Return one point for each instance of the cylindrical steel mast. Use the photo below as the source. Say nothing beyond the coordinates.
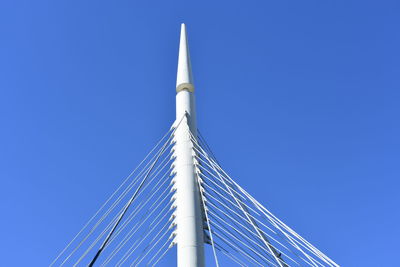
(189, 239)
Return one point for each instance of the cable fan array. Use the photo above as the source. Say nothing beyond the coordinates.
(239, 227)
(135, 226)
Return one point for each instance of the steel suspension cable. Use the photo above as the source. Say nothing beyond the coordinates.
(234, 221)
(240, 250)
(107, 228)
(279, 231)
(132, 249)
(140, 206)
(251, 198)
(237, 222)
(108, 200)
(305, 243)
(136, 227)
(271, 248)
(162, 255)
(208, 220)
(226, 253)
(247, 237)
(240, 241)
(241, 217)
(130, 202)
(103, 217)
(152, 247)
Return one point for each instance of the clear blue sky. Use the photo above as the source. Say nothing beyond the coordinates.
(298, 99)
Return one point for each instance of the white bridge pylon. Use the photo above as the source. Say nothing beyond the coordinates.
(180, 197)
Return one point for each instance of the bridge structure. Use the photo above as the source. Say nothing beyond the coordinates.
(180, 196)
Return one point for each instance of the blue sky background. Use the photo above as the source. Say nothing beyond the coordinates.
(298, 99)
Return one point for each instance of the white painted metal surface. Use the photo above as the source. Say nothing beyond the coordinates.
(189, 232)
(238, 226)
